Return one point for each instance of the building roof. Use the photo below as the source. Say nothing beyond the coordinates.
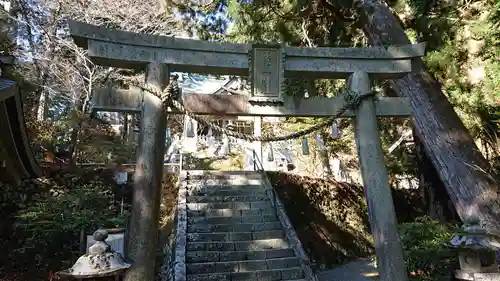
(14, 144)
(7, 88)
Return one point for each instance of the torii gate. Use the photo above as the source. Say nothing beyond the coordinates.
(266, 66)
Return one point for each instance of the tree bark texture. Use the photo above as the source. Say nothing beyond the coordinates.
(437, 201)
(459, 163)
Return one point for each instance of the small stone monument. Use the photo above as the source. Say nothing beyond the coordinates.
(100, 261)
(476, 254)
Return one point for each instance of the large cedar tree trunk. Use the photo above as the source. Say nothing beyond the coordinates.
(451, 149)
(437, 201)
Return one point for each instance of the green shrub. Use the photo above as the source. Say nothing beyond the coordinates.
(427, 258)
(42, 218)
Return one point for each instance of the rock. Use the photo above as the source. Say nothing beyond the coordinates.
(99, 248)
(100, 235)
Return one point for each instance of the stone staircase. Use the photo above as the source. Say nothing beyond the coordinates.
(233, 231)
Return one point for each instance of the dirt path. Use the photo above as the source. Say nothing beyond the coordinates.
(360, 270)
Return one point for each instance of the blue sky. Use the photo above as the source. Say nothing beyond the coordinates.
(205, 83)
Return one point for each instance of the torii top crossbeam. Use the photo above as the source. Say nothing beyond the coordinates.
(266, 65)
(129, 50)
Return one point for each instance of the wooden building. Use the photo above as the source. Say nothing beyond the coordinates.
(16, 158)
(241, 124)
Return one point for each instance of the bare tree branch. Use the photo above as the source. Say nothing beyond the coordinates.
(142, 16)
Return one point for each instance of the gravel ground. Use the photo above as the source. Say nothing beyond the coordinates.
(360, 270)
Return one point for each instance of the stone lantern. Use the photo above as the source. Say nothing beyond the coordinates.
(476, 254)
(100, 262)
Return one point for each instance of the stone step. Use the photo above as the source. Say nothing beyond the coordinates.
(227, 182)
(220, 199)
(229, 186)
(233, 184)
(231, 205)
(224, 191)
(231, 220)
(234, 236)
(267, 275)
(241, 266)
(230, 212)
(224, 174)
(255, 245)
(235, 227)
(219, 256)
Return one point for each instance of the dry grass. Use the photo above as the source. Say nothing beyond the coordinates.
(330, 217)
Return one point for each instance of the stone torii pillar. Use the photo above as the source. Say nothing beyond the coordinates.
(142, 231)
(390, 259)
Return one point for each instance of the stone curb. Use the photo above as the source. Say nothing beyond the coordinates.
(181, 233)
